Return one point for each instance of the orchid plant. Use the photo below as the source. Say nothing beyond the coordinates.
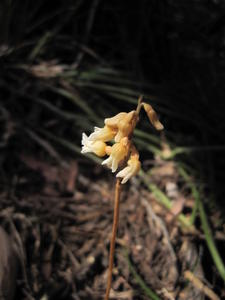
(122, 156)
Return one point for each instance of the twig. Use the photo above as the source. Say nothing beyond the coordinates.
(138, 109)
(113, 238)
(199, 285)
(152, 217)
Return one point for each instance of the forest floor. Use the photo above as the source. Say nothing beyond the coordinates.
(58, 219)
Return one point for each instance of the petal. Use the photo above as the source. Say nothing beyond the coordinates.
(119, 136)
(107, 161)
(98, 147)
(126, 174)
(131, 170)
(114, 165)
(84, 139)
(95, 134)
(113, 122)
(126, 178)
(84, 149)
(123, 172)
(86, 145)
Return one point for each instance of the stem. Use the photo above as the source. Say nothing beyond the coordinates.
(113, 238)
(139, 104)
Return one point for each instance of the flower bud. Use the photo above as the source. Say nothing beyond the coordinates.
(152, 116)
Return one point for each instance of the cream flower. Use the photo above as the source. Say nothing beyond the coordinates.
(97, 147)
(119, 128)
(119, 151)
(104, 134)
(124, 123)
(131, 170)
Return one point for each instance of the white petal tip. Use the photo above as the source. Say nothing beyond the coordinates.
(124, 181)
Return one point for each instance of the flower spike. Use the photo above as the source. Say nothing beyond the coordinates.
(122, 154)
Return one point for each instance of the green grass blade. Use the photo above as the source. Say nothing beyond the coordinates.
(164, 200)
(205, 226)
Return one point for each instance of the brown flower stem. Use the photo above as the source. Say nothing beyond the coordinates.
(113, 238)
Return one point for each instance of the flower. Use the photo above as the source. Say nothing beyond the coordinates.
(119, 129)
(104, 134)
(119, 151)
(131, 170)
(124, 123)
(97, 147)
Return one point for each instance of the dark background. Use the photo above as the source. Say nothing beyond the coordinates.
(172, 51)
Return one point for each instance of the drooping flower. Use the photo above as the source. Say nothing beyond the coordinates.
(97, 147)
(119, 152)
(104, 134)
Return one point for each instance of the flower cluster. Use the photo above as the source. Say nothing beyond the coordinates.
(122, 153)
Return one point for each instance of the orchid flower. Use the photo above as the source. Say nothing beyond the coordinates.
(122, 154)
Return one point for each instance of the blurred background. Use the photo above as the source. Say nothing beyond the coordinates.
(64, 69)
